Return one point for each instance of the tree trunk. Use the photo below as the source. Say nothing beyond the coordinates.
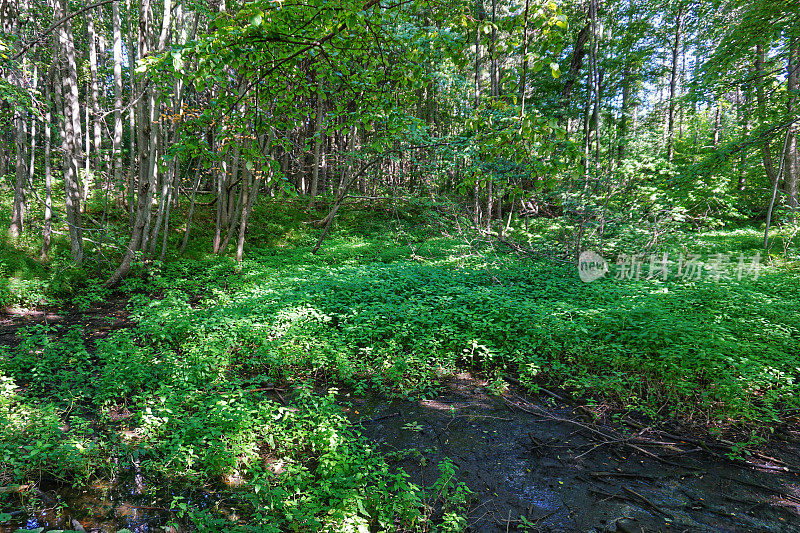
(48, 173)
(32, 159)
(198, 174)
(481, 15)
(673, 84)
(495, 65)
(576, 62)
(524, 78)
(318, 135)
(761, 102)
(116, 148)
(147, 141)
(744, 107)
(71, 143)
(21, 175)
(95, 91)
(791, 155)
(251, 191)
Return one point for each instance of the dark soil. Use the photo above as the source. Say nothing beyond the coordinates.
(550, 463)
(532, 464)
(97, 320)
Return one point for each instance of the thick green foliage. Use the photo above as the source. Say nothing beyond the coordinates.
(181, 396)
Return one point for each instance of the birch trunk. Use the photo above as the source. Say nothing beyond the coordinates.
(673, 82)
(71, 143)
(116, 148)
(48, 175)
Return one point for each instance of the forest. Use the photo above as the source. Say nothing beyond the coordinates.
(399, 265)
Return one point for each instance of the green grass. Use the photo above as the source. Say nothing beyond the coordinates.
(394, 301)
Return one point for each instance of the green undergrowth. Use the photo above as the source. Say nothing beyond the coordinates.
(136, 401)
(723, 350)
(392, 303)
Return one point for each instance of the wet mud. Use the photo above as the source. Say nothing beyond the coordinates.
(536, 465)
(532, 463)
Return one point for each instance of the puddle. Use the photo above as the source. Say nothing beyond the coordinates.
(556, 476)
(521, 467)
(98, 508)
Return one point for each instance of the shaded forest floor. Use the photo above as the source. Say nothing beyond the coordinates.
(411, 376)
(530, 463)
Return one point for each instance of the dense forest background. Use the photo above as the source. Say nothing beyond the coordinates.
(314, 265)
(596, 112)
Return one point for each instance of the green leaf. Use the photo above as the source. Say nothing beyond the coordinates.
(257, 19)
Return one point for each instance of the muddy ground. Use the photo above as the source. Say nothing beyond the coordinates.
(532, 463)
(548, 462)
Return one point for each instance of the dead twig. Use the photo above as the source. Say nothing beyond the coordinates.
(11, 489)
(378, 418)
(647, 502)
(621, 474)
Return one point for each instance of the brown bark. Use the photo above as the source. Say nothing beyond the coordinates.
(791, 155)
(761, 102)
(524, 78)
(20, 177)
(576, 62)
(673, 84)
(48, 174)
(71, 143)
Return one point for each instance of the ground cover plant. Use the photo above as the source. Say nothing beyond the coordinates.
(225, 223)
(186, 396)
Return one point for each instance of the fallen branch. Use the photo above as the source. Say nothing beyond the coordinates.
(647, 502)
(12, 489)
(620, 474)
(382, 417)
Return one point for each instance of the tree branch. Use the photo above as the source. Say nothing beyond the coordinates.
(56, 24)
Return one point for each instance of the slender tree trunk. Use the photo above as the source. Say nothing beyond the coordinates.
(744, 107)
(147, 143)
(222, 203)
(761, 102)
(622, 130)
(116, 148)
(133, 181)
(10, 18)
(489, 205)
(495, 65)
(87, 157)
(250, 196)
(481, 15)
(597, 80)
(576, 62)
(319, 123)
(95, 99)
(32, 158)
(198, 174)
(791, 154)
(21, 175)
(71, 145)
(625, 108)
(48, 173)
(673, 83)
(524, 78)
